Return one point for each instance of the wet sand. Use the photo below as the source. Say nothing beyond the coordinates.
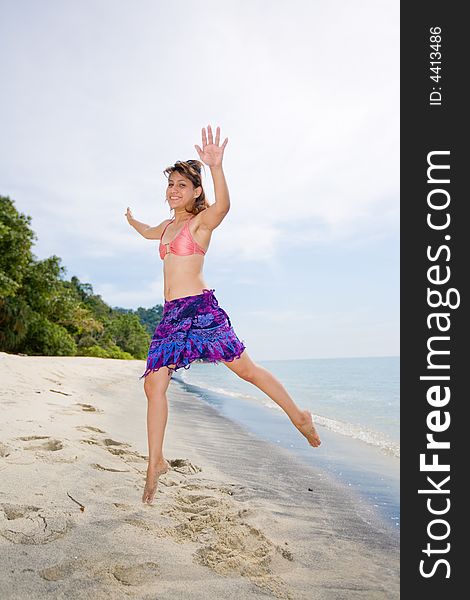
(235, 517)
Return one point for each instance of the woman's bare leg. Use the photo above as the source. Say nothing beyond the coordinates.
(248, 370)
(155, 387)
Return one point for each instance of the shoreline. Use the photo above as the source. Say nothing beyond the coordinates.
(233, 518)
(363, 468)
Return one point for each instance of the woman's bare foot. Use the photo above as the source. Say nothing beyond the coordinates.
(307, 429)
(153, 473)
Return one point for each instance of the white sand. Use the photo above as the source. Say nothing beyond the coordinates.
(233, 518)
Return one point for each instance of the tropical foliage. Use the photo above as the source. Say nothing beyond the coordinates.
(43, 313)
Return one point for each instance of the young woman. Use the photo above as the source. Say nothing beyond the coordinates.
(194, 326)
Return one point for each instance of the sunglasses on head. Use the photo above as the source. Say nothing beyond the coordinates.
(194, 163)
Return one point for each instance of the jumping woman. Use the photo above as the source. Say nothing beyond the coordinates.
(193, 325)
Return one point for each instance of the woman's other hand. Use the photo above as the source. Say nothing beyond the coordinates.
(211, 153)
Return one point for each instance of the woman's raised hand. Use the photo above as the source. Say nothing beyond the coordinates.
(128, 214)
(211, 153)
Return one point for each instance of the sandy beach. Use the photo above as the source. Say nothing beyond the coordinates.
(235, 517)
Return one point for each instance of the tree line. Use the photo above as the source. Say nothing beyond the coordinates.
(43, 313)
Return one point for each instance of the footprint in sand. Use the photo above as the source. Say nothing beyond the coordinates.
(127, 455)
(25, 524)
(136, 574)
(125, 574)
(110, 442)
(91, 442)
(114, 447)
(89, 428)
(62, 570)
(51, 444)
(240, 492)
(4, 451)
(101, 468)
(192, 486)
(180, 468)
(228, 543)
(88, 407)
(106, 442)
(214, 519)
(182, 465)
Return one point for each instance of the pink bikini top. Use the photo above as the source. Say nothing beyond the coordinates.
(182, 245)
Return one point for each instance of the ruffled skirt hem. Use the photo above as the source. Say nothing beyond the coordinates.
(226, 348)
(187, 365)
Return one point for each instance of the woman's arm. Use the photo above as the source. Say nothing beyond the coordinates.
(222, 197)
(148, 232)
(213, 216)
(211, 154)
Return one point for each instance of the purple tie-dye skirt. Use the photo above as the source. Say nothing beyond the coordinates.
(192, 328)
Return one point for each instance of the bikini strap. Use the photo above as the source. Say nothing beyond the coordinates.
(187, 223)
(164, 229)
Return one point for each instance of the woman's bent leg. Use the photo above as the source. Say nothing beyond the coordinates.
(248, 370)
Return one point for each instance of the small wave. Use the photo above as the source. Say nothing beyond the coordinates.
(360, 433)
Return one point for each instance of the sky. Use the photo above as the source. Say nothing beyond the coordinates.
(100, 96)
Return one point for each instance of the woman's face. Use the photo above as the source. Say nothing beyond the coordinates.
(180, 192)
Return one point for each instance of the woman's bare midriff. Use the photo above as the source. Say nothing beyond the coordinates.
(183, 276)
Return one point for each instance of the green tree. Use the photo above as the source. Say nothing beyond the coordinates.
(47, 339)
(93, 302)
(129, 334)
(43, 313)
(16, 240)
(15, 315)
(150, 317)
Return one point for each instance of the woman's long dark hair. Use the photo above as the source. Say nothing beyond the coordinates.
(192, 170)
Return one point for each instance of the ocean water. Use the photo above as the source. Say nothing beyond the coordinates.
(355, 397)
(355, 404)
